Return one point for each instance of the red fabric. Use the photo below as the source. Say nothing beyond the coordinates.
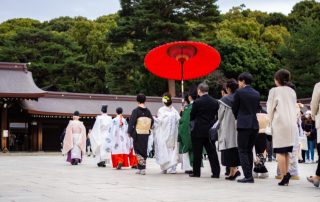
(120, 158)
(133, 159)
(161, 63)
(121, 123)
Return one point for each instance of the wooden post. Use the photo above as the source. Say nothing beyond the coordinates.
(172, 87)
(39, 136)
(4, 126)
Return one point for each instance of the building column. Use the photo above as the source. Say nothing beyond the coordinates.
(39, 136)
(4, 126)
(172, 87)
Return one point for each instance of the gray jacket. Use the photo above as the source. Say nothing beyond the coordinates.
(227, 133)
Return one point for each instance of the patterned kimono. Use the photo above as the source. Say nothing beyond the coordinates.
(101, 140)
(120, 142)
(74, 143)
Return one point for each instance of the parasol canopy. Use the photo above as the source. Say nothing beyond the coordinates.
(182, 60)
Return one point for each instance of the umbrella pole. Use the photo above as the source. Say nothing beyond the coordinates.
(182, 83)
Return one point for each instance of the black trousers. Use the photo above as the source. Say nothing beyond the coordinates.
(261, 143)
(197, 148)
(318, 168)
(246, 141)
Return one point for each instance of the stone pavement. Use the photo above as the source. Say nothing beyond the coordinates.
(47, 177)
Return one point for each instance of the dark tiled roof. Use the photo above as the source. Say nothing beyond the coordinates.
(64, 104)
(17, 82)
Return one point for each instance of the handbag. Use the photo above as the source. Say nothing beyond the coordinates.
(213, 132)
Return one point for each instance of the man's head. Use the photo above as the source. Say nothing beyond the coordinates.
(203, 89)
(76, 115)
(244, 79)
(104, 108)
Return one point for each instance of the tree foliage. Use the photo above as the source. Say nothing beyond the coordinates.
(106, 55)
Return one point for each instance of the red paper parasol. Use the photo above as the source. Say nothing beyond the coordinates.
(182, 60)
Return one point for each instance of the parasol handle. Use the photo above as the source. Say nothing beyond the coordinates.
(182, 82)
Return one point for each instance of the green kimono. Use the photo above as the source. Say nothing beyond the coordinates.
(184, 137)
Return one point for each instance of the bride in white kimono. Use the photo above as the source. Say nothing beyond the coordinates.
(166, 136)
(74, 143)
(100, 139)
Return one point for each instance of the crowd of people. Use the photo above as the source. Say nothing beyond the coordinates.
(236, 125)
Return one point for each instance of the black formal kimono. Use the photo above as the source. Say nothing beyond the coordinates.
(140, 124)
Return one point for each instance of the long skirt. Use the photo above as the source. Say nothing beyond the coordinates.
(133, 158)
(120, 158)
(75, 152)
(230, 157)
(185, 162)
(140, 144)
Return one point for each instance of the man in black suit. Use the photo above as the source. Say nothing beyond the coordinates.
(245, 106)
(203, 113)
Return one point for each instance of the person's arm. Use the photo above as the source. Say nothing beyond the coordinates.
(221, 112)
(315, 101)
(151, 117)
(193, 111)
(236, 104)
(132, 122)
(271, 104)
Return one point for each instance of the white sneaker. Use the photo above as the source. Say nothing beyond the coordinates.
(255, 175)
(264, 175)
(138, 172)
(143, 172)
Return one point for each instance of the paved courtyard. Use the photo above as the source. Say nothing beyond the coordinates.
(47, 177)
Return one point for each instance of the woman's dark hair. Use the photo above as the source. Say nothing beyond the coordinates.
(76, 113)
(193, 92)
(167, 97)
(283, 77)
(104, 108)
(186, 98)
(119, 110)
(141, 98)
(232, 85)
(246, 77)
(224, 89)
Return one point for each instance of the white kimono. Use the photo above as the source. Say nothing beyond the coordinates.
(100, 139)
(120, 137)
(166, 138)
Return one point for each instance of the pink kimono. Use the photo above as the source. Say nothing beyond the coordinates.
(74, 143)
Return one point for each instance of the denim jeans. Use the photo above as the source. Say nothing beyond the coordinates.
(310, 150)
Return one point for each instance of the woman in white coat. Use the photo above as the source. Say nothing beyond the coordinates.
(281, 108)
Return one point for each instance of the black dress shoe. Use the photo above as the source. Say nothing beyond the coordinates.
(215, 176)
(246, 180)
(193, 175)
(188, 172)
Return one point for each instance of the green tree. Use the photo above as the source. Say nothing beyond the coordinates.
(147, 24)
(301, 54)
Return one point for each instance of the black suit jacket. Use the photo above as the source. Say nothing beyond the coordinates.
(245, 106)
(204, 112)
